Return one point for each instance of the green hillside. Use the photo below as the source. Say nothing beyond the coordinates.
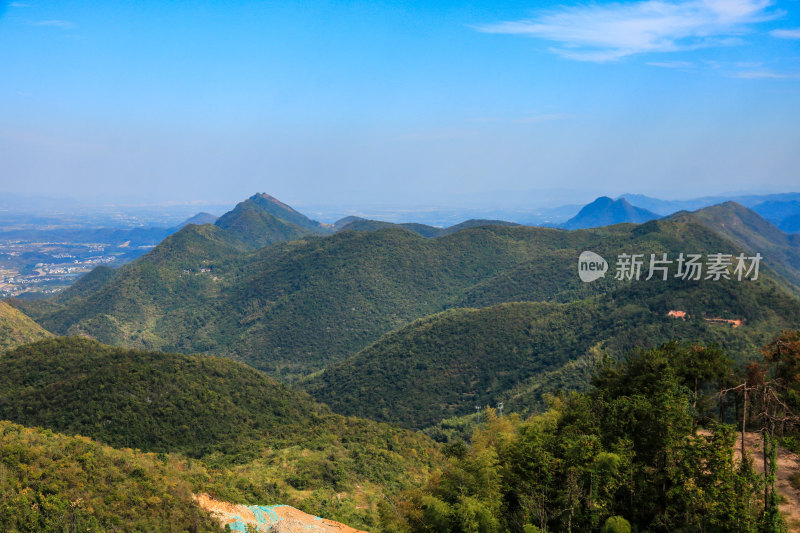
(17, 329)
(362, 224)
(269, 204)
(53, 482)
(255, 227)
(292, 308)
(197, 405)
(444, 365)
(748, 230)
(261, 441)
(149, 400)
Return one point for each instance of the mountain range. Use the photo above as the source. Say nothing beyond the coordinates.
(312, 297)
(216, 348)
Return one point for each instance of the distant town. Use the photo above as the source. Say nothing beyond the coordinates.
(45, 268)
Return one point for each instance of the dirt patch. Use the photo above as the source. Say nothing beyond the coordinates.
(272, 518)
(735, 322)
(788, 464)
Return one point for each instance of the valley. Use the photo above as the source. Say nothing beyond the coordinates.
(266, 359)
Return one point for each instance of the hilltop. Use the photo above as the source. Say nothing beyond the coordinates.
(605, 211)
(154, 401)
(262, 220)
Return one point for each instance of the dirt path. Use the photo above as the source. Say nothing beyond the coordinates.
(272, 519)
(788, 464)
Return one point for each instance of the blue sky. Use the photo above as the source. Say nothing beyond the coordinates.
(399, 102)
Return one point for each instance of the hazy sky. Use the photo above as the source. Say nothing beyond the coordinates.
(331, 102)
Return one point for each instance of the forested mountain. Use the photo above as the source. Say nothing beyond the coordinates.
(254, 222)
(291, 308)
(17, 329)
(258, 438)
(751, 232)
(446, 364)
(406, 324)
(269, 204)
(363, 224)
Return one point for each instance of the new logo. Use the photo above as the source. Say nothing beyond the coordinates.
(591, 266)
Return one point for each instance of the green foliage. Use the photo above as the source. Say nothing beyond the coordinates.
(616, 524)
(621, 457)
(149, 400)
(17, 329)
(292, 308)
(260, 441)
(55, 483)
(445, 364)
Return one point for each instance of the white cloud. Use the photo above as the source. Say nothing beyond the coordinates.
(612, 31)
(65, 24)
(766, 74)
(786, 34)
(671, 64)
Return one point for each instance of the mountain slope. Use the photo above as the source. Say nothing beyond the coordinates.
(133, 301)
(748, 230)
(53, 482)
(261, 441)
(363, 224)
(148, 400)
(791, 224)
(281, 211)
(292, 308)
(252, 223)
(17, 329)
(604, 212)
(446, 364)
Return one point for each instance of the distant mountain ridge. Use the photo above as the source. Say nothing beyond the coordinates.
(354, 223)
(199, 218)
(781, 209)
(291, 308)
(605, 211)
(752, 233)
(668, 207)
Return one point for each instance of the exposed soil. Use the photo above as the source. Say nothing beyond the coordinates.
(788, 464)
(272, 519)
